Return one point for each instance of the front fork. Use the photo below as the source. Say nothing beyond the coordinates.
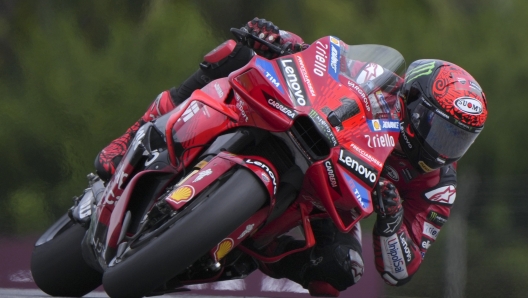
(84, 205)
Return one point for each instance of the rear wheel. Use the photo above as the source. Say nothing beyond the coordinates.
(212, 218)
(57, 264)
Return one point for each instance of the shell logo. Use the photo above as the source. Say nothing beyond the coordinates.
(376, 125)
(182, 194)
(223, 248)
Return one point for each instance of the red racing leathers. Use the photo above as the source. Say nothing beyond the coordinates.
(427, 200)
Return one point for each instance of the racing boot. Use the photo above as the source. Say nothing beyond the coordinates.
(108, 159)
(219, 63)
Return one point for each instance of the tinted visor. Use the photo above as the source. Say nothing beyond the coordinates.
(438, 133)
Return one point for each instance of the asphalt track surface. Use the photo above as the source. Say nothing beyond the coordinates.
(29, 293)
(16, 279)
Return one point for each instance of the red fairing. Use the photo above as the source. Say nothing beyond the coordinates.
(427, 201)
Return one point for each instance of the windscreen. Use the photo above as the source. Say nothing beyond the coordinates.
(378, 72)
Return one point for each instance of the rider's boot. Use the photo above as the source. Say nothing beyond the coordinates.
(108, 159)
(218, 63)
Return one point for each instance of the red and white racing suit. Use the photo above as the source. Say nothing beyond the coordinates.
(427, 200)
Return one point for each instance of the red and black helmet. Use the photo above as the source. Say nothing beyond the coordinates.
(445, 110)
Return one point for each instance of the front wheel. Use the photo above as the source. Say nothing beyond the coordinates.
(213, 217)
(57, 263)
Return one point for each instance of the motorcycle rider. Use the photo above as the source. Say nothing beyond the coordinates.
(442, 110)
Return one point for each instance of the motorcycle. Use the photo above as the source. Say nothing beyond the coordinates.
(204, 190)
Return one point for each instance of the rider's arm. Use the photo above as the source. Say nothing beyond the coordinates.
(427, 200)
(229, 56)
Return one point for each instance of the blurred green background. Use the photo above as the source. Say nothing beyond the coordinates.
(75, 74)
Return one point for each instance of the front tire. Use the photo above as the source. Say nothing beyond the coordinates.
(209, 222)
(58, 266)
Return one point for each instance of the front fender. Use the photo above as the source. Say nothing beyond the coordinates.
(209, 171)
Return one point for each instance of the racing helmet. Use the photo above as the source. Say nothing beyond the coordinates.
(445, 110)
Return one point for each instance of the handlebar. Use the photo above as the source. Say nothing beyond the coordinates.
(347, 110)
(242, 36)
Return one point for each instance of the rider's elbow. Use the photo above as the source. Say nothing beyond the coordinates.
(394, 281)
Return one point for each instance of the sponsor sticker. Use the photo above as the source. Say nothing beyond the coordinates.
(358, 167)
(405, 137)
(370, 72)
(241, 108)
(333, 68)
(436, 218)
(219, 90)
(392, 173)
(295, 86)
(324, 127)
(331, 174)
(202, 174)
(425, 167)
(360, 192)
(190, 111)
(267, 169)
(393, 258)
(442, 195)
(182, 194)
(248, 229)
(269, 73)
(407, 253)
(306, 77)
(352, 85)
(378, 125)
(367, 156)
(284, 109)
(223, 248)
(430, 231)
(425, 243)
(321, 56)
(469, 105)
(380, 141)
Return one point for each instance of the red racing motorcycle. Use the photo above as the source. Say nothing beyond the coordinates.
(203, 190)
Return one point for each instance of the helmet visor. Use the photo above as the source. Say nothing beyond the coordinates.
(439, 132)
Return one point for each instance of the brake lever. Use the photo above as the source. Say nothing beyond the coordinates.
(243, 35)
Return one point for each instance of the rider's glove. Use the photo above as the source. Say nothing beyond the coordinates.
(268, 31)
(388, 206)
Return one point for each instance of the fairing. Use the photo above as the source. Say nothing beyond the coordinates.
(341, 162)
(313, 83)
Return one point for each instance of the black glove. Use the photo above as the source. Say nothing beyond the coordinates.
(264, 30)
(268, 31)
(387, 204)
